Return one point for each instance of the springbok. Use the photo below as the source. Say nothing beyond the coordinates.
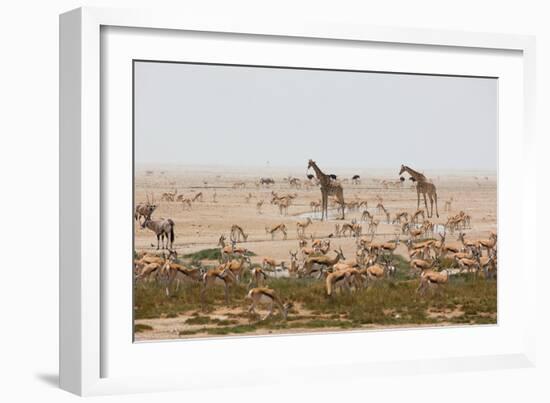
(277, 228)
(197, 197)
(301, 227)
(268, 296)
(432, 278)
(236, 234)
(324, 261)
(218, 276)
(257, 277)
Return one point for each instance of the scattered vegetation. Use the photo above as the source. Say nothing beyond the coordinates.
(139, 327)
(209, 254)
(391, 302)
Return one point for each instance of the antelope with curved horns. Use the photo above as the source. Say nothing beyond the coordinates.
(145, 209)
(163, 228)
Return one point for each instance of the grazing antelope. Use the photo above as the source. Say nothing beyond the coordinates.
(236, 234)
(239, 185)
(218, 276)
(277, 228)
(268, 296)
(301, 227)
(340, 278)
(197, 197)
(323, 261)
(432, 278)
(346, 228)
(366, 215)
(353, 228)
(401, 215)
(356, 180)
(163, 228)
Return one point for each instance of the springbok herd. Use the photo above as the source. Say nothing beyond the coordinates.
(347, 231)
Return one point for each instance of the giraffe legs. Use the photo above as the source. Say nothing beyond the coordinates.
(436, 211)
(426, 204)
(324, 207)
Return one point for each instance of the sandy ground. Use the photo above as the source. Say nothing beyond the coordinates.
(201, 226)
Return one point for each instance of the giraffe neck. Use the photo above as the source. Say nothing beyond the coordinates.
(320, 175)
(416, 175)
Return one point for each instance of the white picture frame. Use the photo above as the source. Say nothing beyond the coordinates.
(93, 350)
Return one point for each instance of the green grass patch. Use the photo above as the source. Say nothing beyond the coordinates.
(391, 302)
(209, 254)
(140, 327)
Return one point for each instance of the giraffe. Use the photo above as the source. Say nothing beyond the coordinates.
(424, 186)
(328, 188)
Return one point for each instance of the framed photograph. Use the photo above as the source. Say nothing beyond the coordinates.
(298, 193)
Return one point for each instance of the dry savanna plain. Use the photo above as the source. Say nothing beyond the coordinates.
(178, 306)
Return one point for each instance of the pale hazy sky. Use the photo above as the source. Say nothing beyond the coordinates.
(245, 116)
